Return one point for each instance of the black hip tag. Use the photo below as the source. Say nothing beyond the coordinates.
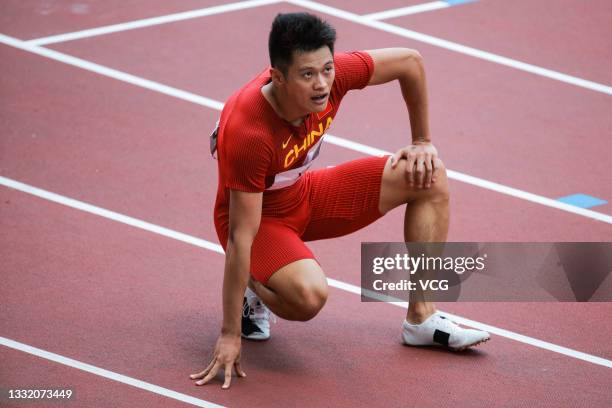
(213, 141)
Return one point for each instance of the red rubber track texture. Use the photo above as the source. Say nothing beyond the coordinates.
(29, 20)
(147, 306)
(487, 120)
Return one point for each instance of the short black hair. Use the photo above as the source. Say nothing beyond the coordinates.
(302, 32)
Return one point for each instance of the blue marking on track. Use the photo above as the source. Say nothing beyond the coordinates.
(456, 2)
(582, 200)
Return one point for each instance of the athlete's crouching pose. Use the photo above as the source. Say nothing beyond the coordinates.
(268, 203)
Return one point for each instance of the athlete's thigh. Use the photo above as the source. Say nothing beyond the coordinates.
(344, 198)
(283, 262)
(275, 246)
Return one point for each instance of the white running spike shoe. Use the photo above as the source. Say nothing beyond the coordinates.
(255, 317)
(438, 330)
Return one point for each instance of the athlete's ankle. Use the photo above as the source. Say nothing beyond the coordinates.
(418, 312)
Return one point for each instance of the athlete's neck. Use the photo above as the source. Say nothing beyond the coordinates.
(279, 102)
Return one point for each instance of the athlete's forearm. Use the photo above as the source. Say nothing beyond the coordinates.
(414, 90)
(235, 278)
(244, 219)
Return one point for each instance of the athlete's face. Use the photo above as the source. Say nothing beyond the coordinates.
(309, 79)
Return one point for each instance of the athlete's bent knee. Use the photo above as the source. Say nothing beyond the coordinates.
(439, 190)
(439, 166)
(310, 300)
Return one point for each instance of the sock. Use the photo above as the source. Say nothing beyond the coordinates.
(249, 293)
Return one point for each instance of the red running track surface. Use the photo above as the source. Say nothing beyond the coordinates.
(148, 306)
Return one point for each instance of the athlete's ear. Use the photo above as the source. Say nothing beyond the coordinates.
(277, 76)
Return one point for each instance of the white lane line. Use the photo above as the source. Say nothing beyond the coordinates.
(531, 341)
(452, 46)
(494, 330)
(26, 188)
(147, 22)
(363, 20)
(478, 182)
(405, 11)
(335, 140)
(107, 374)
(111, 215)
(338, 141)
(111, 73)
(488, 185)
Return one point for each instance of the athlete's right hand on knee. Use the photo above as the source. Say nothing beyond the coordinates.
(420, 163)
(227, 355)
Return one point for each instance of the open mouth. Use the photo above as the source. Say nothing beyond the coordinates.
(319, 99)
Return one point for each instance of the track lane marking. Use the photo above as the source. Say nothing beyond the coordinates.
(148, 22)
(111, 375)
(92, 209)
(453, 46)
(111, 215)
(482, 183)
(335, 140)
(111, 73)
(355, 18)
(406, 11)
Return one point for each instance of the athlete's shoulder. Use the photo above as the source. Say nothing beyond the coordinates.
(246, 109)
(345, 60)
(353, 70)
(244, 128)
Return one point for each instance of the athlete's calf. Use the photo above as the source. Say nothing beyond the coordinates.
(426, 217)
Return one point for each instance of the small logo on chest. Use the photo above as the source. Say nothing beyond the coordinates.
(286, 142)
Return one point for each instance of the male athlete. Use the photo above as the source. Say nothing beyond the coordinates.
(268, 203)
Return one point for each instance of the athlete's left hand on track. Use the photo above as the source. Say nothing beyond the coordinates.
(227, 354)
(420, 164)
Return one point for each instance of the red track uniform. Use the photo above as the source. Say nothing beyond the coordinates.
(260, 152)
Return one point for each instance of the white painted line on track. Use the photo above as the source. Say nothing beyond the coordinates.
(47, 195)
(148, 22)
(453, 46)
(111, 73)
(478, 182)
(111, 215)
(335, 140)
(107, 374)
(494, 330)
(355, 18)
(406, 11)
